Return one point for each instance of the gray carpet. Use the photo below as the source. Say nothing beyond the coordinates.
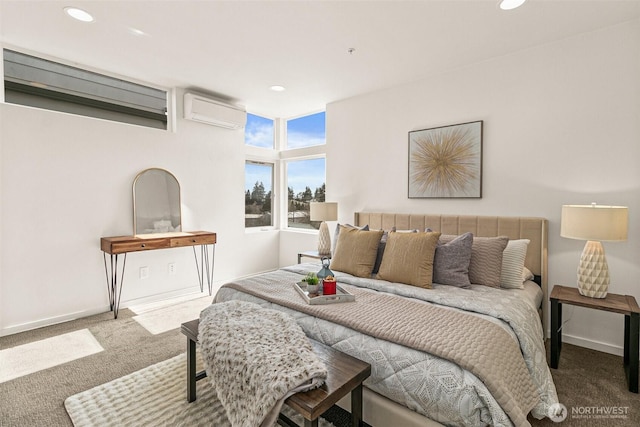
(591, 379)
(586, 378)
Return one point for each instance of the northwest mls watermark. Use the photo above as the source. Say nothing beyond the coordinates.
(558, 412)
(599, 412)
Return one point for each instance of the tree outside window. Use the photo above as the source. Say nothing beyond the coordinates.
(258, 194)
(305, 184)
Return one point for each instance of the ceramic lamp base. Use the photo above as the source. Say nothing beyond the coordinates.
(593, 271)
(324, 240)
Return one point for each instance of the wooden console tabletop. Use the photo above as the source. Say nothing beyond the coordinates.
(118, 245)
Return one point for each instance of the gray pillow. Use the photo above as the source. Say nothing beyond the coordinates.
(486, 259)
(451, 261)
(381, 246)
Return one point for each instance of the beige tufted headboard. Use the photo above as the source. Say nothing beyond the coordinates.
(534, 229)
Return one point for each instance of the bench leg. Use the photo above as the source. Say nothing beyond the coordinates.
(356, 406)
(191, 370)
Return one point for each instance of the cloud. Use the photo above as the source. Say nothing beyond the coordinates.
(259, 134)
(304, 139)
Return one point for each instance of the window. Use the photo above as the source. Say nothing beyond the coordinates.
(299, 169)
(306, 131)
(258, 197)
(41, 83)
(305, 184)
(258, 132)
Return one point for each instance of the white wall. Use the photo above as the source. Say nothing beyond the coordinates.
(561, 125)
(66, 181)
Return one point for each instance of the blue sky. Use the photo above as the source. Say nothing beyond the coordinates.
(302, 173)
(258, 131)
(306, 131)
(257, 173)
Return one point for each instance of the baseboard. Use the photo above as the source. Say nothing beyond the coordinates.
(593, 345)
(14, 329)
(186, 293)
(183, 292)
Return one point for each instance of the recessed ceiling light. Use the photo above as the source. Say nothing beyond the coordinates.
(277, 88)
(79, 14)
(510, 4)
(137, 32)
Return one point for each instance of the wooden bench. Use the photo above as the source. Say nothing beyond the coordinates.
(345, 374)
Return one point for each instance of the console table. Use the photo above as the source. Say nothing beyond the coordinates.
(115, 246)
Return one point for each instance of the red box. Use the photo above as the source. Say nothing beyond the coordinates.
(328, 288)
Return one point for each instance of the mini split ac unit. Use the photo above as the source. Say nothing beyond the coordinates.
(212, 112)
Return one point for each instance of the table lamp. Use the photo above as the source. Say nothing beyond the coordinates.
(595, 224)
(326, 211)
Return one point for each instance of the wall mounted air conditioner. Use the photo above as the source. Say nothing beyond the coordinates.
(213, 112)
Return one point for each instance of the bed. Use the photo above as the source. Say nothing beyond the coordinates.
(468, 354)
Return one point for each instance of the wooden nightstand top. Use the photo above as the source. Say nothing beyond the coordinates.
(615, 303)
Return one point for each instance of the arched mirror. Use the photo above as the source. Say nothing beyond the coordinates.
(156, 202)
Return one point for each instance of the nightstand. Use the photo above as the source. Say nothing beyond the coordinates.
(311, 254)
(622, 304)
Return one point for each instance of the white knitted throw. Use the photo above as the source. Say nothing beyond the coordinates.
(255, 359)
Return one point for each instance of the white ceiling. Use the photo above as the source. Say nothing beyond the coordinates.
(238, 49)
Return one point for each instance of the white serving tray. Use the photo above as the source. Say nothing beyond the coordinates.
(341, 295)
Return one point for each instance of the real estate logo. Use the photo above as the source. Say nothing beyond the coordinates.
(557, 412)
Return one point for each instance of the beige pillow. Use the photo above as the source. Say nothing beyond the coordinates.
(408, 258)
(356, 251)
(486, 259)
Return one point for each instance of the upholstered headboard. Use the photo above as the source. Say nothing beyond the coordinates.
(534, 229)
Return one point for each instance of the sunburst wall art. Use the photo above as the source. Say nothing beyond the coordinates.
(446, 162)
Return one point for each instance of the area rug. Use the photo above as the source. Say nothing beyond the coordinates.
(153, 396)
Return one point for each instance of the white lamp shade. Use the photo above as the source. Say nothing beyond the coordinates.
(327, 211)
(594, 222)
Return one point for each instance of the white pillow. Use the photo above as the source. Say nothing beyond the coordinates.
(513, 264)
(527, 275)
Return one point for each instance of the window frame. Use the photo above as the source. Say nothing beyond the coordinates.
(279, 156)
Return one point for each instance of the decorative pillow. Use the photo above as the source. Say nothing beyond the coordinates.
(381, 246)
(527, 275)
(356, 251)
(513, 264)
(408, 258)
(451, 261)
(395, 230)
(337, 233)
(486, 259)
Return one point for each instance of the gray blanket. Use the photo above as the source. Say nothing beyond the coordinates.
(255, 359)
(510, 384)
